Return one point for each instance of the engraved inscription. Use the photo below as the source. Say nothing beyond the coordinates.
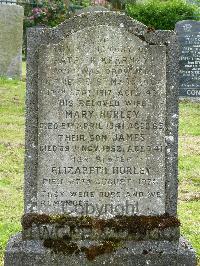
(101, 141)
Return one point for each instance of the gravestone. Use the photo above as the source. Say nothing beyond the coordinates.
(188, 32)
(101, 146)
(11, 31)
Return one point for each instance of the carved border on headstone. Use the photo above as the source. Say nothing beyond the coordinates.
(43, 36)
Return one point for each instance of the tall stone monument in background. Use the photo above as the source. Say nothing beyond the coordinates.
(188, 33)
(101, 146)
(11, 35)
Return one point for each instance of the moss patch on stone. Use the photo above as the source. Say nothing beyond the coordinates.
(33, 218)
(105, 247)
(91, 252)
(133, 224)
(60, 245)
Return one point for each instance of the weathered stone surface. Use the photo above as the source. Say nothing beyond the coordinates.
(102, 88)
(11, 30)
(188, 32)
(101, 125)
(152, 253)
(44, 227)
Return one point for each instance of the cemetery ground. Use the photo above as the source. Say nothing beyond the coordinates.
(12, 95)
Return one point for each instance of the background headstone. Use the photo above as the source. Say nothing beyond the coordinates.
(101, 146)
(11, 31)
(188, 33)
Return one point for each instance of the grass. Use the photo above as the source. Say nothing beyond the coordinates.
(189, 173)
(11, 158)
(12, 154)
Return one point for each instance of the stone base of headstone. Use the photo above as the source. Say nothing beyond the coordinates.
(162, 253)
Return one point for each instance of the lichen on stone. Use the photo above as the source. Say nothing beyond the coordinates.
(133, 224)
(90, 252)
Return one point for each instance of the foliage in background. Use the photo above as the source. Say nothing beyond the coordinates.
(159, 14)
(53, 12)
(162, 14)
(46, 14)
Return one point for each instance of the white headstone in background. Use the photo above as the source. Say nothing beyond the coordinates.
(11, 35)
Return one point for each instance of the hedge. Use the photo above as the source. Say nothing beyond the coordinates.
(162, 14)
